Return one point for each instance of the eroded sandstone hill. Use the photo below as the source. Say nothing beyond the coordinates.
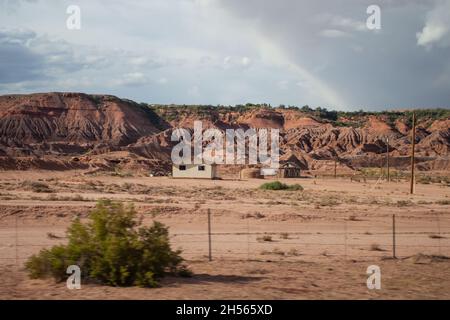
(67, 130)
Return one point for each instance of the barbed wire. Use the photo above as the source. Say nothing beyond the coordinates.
(353, 240)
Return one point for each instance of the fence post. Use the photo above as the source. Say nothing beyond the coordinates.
(439, 232)
(248, 239)
(209, 235)
(17, 241)
(345, 238)
(393, 237)
(335, 168)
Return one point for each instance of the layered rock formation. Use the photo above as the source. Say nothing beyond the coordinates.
(67, 130)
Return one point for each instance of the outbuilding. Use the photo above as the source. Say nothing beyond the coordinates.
(289, 170)
(195, 171)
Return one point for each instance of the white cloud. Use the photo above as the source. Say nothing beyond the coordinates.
(347, 23)
(227, 62)
(163, 80)
(131, 79)
(431, 33)
(333, 33)
(236, 62)
(139, 61)
(245, 61)
(69, 83)
(437, 26)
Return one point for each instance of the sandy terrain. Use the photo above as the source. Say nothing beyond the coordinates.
(311, 244)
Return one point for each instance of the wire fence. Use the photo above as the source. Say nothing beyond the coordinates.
(347, 237)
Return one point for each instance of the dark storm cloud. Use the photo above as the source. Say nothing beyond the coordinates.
(368, 69)
(17, 62)
(26, 57)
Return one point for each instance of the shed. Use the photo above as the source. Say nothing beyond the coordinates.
(289, 170)
(194, 171)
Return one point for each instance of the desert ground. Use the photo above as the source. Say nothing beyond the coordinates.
(310, 244)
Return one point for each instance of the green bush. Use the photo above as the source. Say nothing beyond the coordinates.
(404, 203)
(113, 249)
(295, 187)
(277, 185)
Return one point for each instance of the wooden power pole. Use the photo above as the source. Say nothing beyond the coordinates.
(209, 236)
(388, 173)
(413, 147)
(394, 255)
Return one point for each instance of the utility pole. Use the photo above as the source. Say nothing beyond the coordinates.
(394, 255)
(209, 236)
(388, 173)
(413, 146)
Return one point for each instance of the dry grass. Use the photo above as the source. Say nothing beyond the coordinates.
(275, 251)
(404, 203)
(36, 186)
(435, 236)
(375, 247)
(51, 235)
(265, 238)
(284, 235)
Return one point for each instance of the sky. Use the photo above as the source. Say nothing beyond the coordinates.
(227, 52)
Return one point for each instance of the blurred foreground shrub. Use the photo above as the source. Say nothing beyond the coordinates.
(112, 248)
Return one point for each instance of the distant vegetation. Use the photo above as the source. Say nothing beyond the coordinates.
(111, 249)
(277, 185)
(36, 186)
(338, 118)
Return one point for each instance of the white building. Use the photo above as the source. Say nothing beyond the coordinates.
(195, 171)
